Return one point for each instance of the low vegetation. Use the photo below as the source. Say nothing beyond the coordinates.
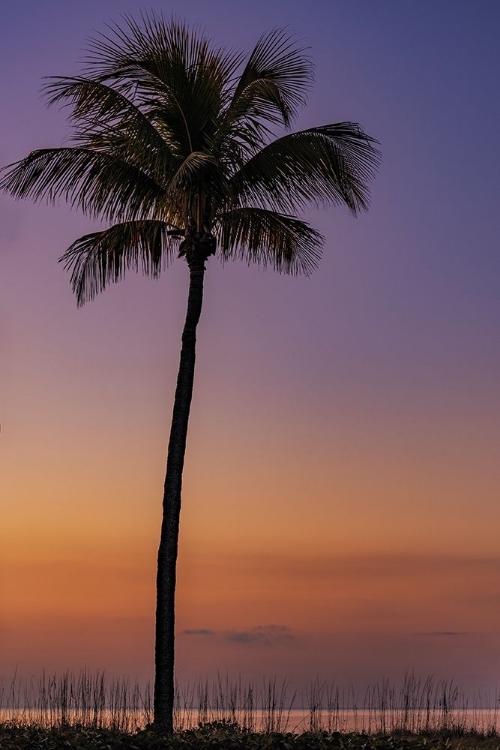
(90, 711)
(227, 735)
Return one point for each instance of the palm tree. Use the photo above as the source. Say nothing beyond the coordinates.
(174, 144)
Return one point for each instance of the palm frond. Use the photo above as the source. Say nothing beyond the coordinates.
(101, 258)
(199, 180)
(268, 238)
(328, 164)
(106, 119)
(172, 43)
(274, 83)
(175, 73)
(98, 183)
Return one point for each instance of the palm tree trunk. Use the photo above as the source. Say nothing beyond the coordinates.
(167, 553)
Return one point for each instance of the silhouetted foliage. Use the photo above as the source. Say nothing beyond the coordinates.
(210, 737)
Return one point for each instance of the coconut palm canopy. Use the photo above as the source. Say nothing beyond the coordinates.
(174, 136)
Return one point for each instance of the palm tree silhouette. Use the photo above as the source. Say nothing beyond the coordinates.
(174, 144)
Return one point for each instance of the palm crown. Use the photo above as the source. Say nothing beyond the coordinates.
(173, 139)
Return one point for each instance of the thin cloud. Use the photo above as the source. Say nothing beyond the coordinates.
(446, 633)
(245, 636)
(279, 629)
(261, 634)
(265, 635)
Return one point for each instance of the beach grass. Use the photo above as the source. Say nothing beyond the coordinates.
(90, 710)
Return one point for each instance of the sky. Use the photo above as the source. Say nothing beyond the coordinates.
(340, 506)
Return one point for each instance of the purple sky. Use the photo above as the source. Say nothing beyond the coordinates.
(351, 417)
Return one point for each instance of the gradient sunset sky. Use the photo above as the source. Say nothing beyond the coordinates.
(341, 506)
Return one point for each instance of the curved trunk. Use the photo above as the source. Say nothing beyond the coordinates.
(167, 553)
